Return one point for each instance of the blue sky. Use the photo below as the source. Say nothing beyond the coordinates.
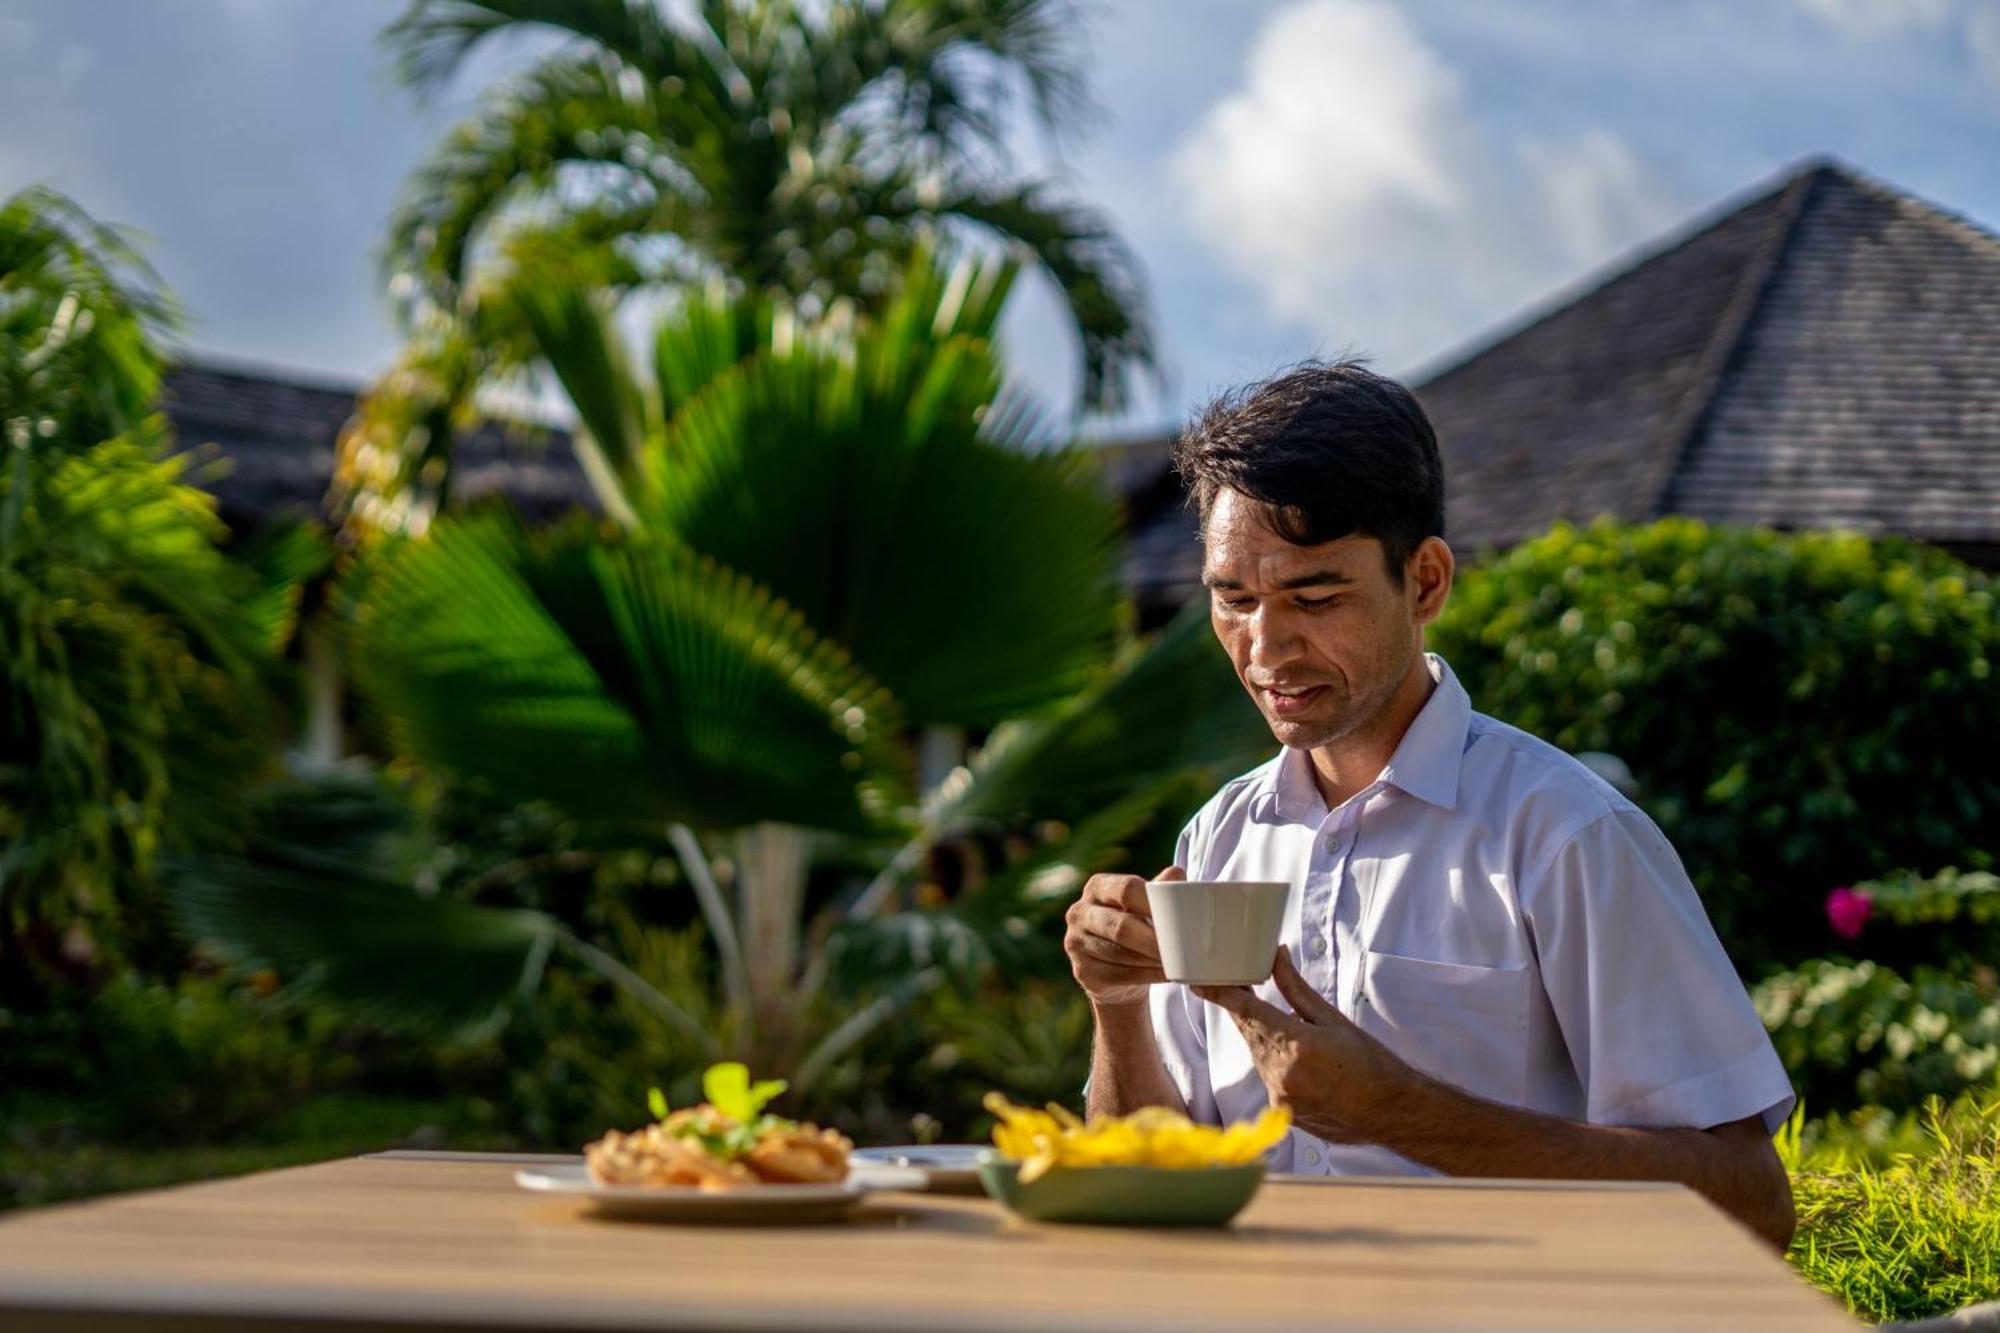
(1299, 176)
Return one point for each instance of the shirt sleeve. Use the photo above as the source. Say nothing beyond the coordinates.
(1658, 1025)
(1176, 1015)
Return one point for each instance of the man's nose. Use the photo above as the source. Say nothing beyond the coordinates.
(1274, 643)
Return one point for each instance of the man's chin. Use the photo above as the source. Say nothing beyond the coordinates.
(1300, 733)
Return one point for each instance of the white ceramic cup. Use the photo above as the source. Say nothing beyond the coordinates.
(1217, 932)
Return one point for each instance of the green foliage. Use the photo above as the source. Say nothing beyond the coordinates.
(710, 659)
(1172, 705)
(1951, 918)
(800, 150)
(138, 663)
(1796, 707)
(201, 1058)
(621, 677)
(373, 947)
(1858, 1032)
(1916, 1237)
(911, 481)
(1030, 1041)
(80, 314)
(137, 666)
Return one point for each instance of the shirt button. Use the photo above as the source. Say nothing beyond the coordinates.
(1317, 946)
(1312, 1157)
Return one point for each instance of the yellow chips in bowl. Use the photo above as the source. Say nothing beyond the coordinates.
(1154, 1136)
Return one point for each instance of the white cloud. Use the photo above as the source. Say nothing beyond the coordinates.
(1350, 183)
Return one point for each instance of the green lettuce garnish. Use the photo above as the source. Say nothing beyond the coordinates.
(730, 1091)
(732, 1097)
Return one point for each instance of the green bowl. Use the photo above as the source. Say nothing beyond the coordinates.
(1146, 1196)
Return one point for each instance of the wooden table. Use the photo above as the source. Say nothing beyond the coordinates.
(408, 1241)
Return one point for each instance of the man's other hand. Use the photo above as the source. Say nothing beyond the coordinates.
(1338, 1080)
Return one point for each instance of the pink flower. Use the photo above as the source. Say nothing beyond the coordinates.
(1847, 911)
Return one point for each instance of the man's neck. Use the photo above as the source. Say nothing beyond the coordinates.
(1343, 767)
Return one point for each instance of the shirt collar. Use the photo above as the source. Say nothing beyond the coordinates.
(1425, 764)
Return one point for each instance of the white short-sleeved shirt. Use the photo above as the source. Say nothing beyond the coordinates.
(1498, 916)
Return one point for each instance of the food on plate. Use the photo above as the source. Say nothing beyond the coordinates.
(1153, 1136)
(726, 1142)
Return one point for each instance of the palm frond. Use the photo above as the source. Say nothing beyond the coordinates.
(569, 113)
(975, 578)
(954, 64)
(570, 318)
(373, 947)
(392, 461)
(712, 331)
(285, 556)
(622, 679)
(430, 40)
(1099, 276)
(1173, 704)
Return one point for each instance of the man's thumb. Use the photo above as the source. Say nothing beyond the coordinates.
(1306, 1002)
(1171, 872)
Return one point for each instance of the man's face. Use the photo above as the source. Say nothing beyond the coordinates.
(1320, 636)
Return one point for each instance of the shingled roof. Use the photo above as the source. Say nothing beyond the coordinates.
(1824, 353)
(277, 434)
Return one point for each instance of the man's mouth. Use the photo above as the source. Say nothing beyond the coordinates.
(1291, 700)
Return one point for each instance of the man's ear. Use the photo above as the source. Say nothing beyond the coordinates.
(1428, 574)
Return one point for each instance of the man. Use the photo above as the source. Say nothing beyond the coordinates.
(1493, 963)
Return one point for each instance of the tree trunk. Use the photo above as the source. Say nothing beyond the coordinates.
(771, 865)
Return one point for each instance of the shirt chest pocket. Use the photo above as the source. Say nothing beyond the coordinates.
(1465, 1025)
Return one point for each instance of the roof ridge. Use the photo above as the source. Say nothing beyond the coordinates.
(1924, 210)
(1658, 246)
(1733, 329)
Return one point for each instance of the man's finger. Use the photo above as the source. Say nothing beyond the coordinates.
(1306, 1002)
(1172, 872)
(1127, 930)
(1113, 952)
(1243, 1002)
(1122, 891)
(1106, 973)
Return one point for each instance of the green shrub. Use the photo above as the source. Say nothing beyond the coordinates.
(198, 1060)
(1795, 707)
(1951, 918)
(1853, 1033)
(1917, 1237)
(1031, 1042)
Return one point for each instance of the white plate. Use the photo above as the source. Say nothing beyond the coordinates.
(749, 1203)
(951, 1167)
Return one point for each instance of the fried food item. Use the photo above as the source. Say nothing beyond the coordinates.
(722, 1144)
(803, 1155)
(655, 1156)
(1153, 1136)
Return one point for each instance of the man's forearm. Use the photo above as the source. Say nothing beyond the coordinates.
(1463, 1135)
(1126, 1072)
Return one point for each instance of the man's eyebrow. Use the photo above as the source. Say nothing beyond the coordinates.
(1315, 579)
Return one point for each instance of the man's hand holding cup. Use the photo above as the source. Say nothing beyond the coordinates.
(1110, 941)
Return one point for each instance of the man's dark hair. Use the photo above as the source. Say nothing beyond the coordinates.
(1328, 449)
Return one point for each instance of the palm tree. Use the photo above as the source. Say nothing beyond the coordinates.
(805, 150)
(823, 536)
